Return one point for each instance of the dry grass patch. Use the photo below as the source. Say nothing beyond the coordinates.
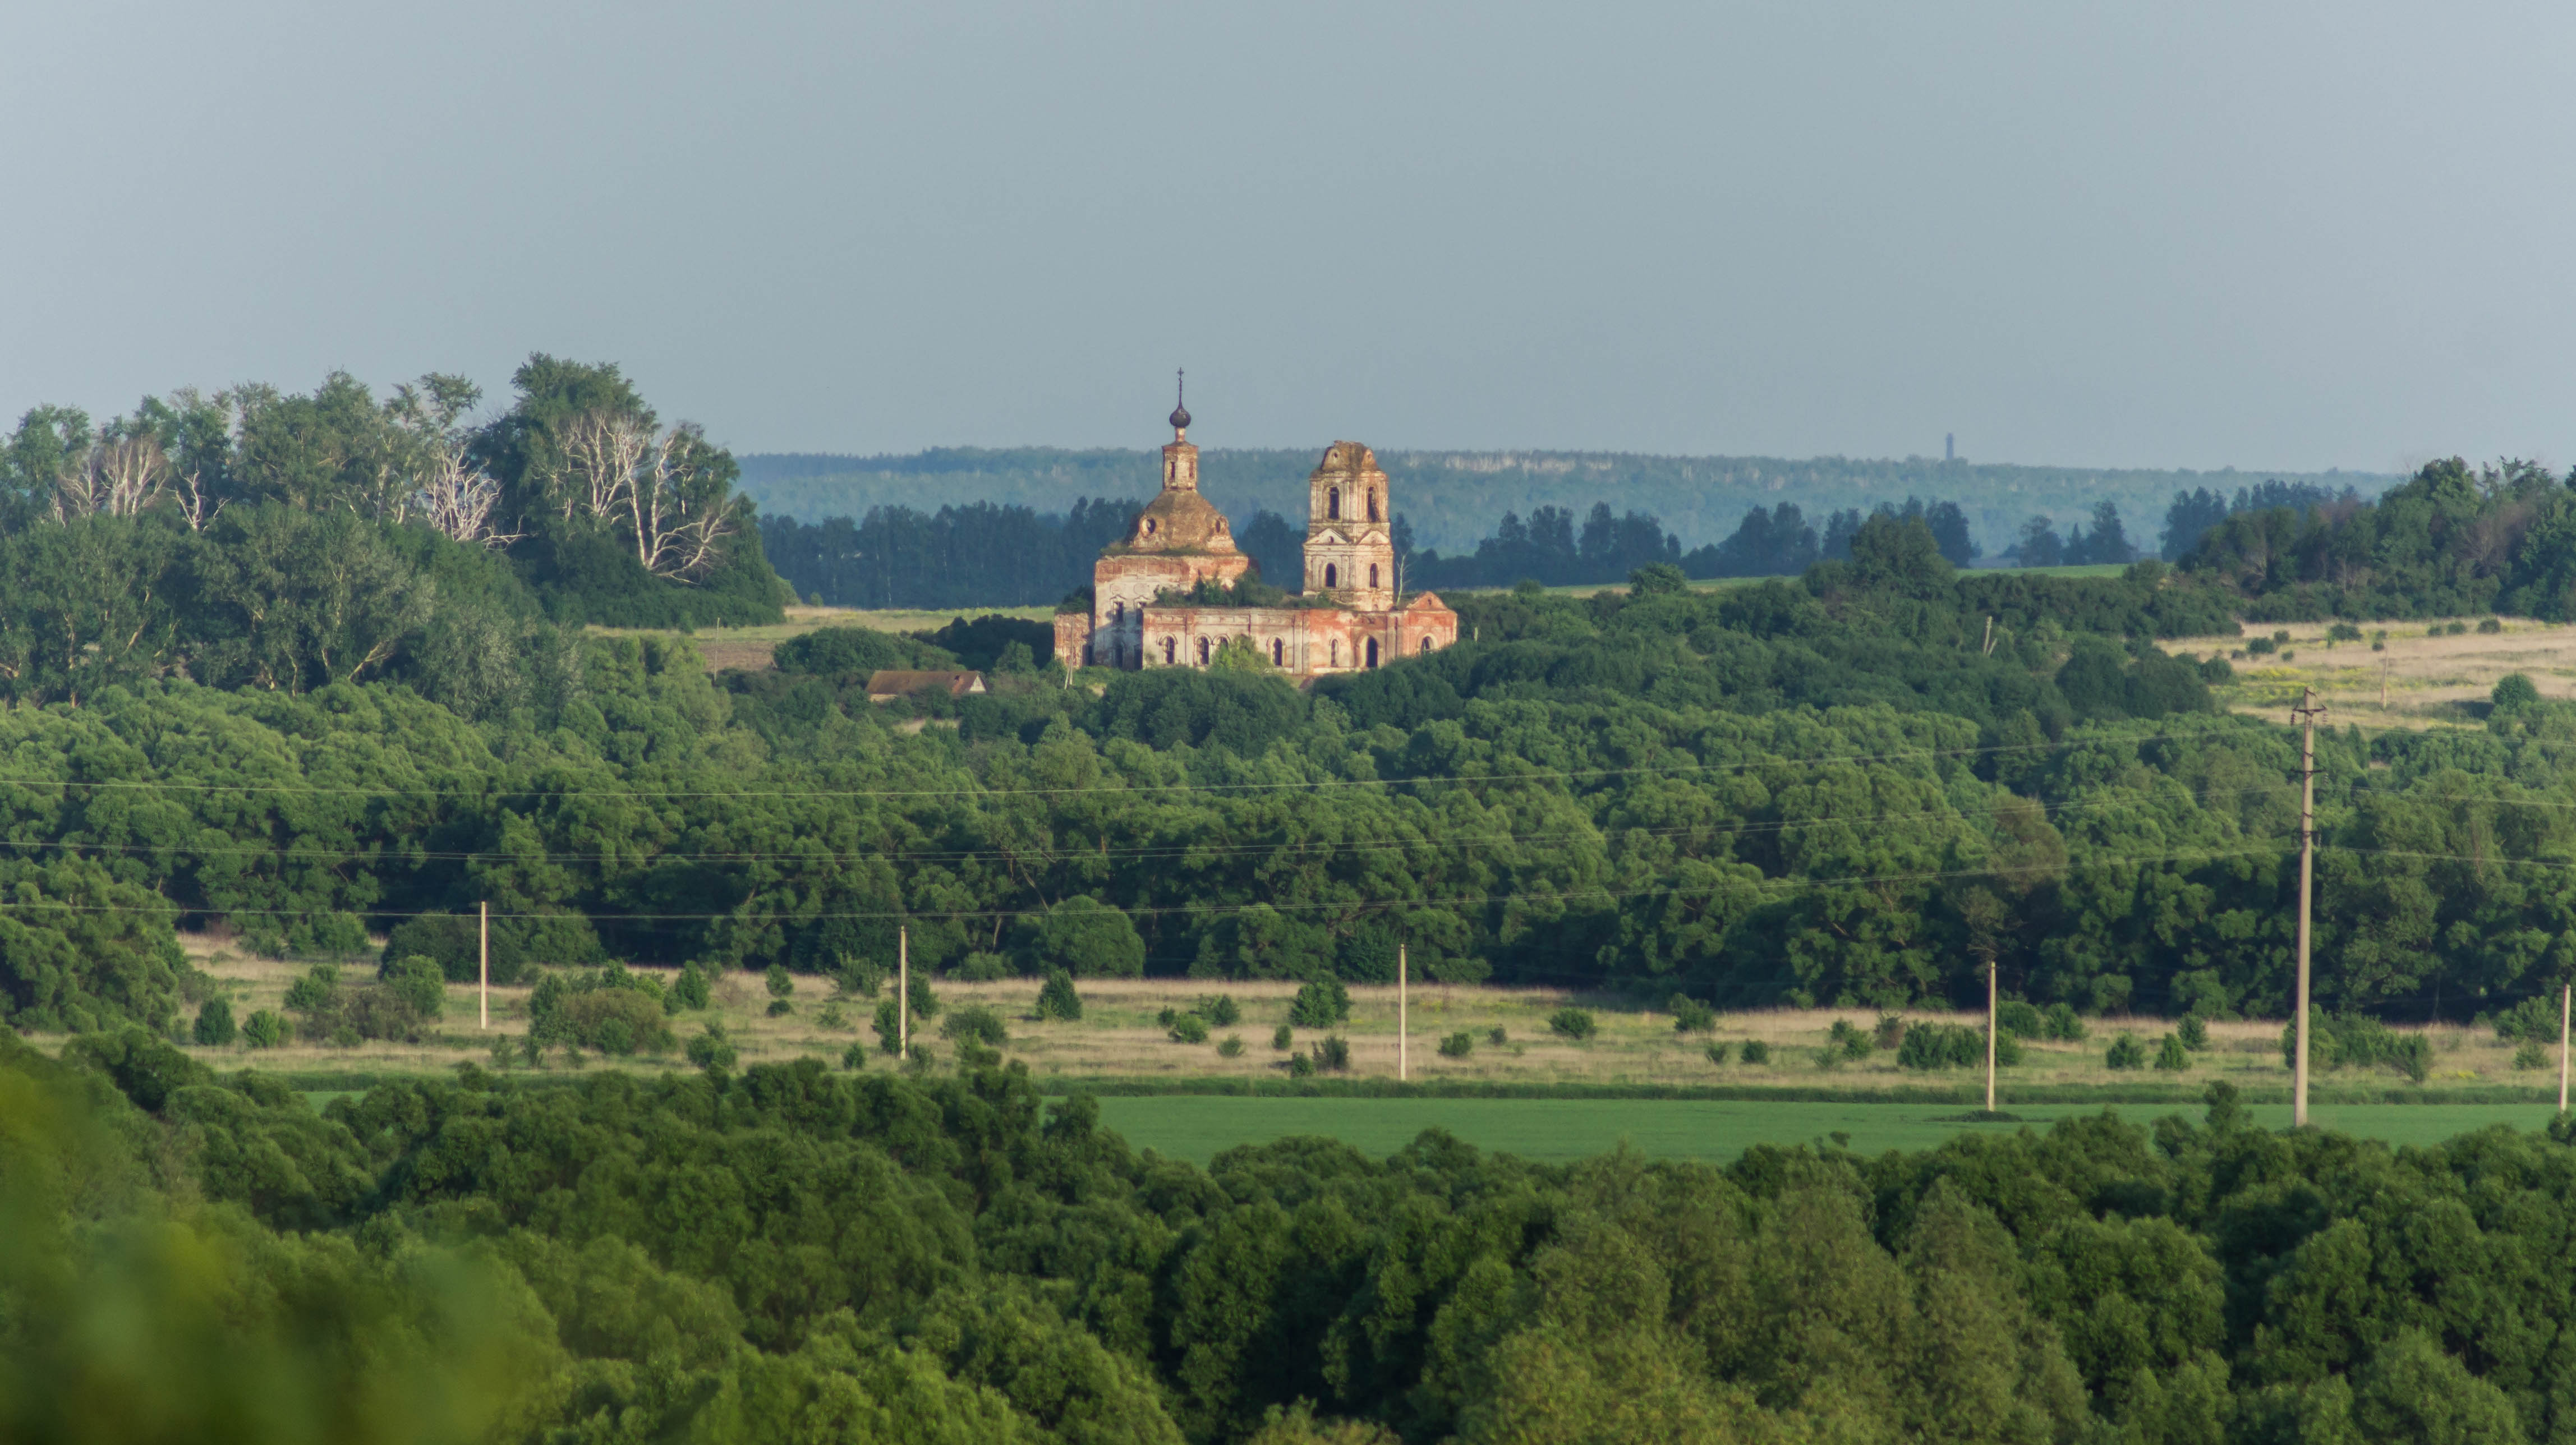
(2418, 682)
(750, 648)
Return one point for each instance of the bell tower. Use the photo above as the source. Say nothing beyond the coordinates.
(1350, 543)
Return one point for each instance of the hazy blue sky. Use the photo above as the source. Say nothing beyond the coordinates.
(2154, 235)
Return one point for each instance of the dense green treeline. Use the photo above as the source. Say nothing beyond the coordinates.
(2452, 540)
(1847, 790)
(796, 1254)
(260, 538)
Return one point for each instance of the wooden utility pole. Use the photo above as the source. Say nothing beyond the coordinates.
(903, 991)
(1402, 1060)
(2565, 994)
(1990, 1033)
(2306, 715)
(485, 987)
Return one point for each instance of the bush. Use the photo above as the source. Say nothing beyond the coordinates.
(711, 1049)
(1167, 1017)
(2490, 626)
(1572, 1023)
(316, 993)
(417, 981)
(2194, 1032)
(855, 1057)
(690, 990)
(1221, 1011)
(832, 1018)
(2530, 1056)
(1232, 1048)
(983, 1025)
(1189, 1029)
(1943, 1046)
(2126, 1053)
(2335, 1043)
(2513, 690)
(2020, 1020)
(1300, 1067)
(782, 984)
(2343, 632)
(1848, 1041)
(1717, 1052)
(781, 1007)
(264, 1030)
(2061, 1024)
(214, 1026)
(1280, 1038)
(2535, 1019)
(1690, 1016)
(1498, 1036)
(2171, 1056)
(1333, 1053)
(1756, 1052)
(1889, 1034)
(1085, 937)
(453, 942)
(618, 1021)
(1057, 998)
(1320, 1004)
(983, 968)
(1458, 1045)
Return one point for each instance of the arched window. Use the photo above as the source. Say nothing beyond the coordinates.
(1337, 652)
(1171, 650)
(1373, 506)
(1372, 652)
(1372, 574)
(1332, 575)
(1333, 503)
(1203, 653)
(1425, 649)
(1278, 653)
(1150, 525)
(1118, 613)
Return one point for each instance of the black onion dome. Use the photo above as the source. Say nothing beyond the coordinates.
(1180, 418)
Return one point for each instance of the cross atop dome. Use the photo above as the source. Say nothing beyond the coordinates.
(1180, 413)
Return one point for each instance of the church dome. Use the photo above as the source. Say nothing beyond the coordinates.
(1180, 520)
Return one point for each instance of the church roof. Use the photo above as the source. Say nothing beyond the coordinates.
(1179, 520)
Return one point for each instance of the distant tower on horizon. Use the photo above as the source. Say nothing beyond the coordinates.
(1949, 446)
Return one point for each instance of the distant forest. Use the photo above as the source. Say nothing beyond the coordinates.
(1453, 498)
(991, 554)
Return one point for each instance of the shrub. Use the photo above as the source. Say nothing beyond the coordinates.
(263, 1030)
(1280, 1038)
(2171, 1056)
(2535, 1019)
(1057, 998)
(1846, 1039)
(782, 984)
(1690, 1016)
(2061, 1024)
(214, 1026)
(2513, 690)
(711, 1049)
(1231, 1048)
(1085, 937)
(376, 1013)
(2413, 1057)
(983, 968)
(2490, 625)
(1189, 1029)
(832, 1018)
(2454, 629)
(317, 992)
(2343, 632)
(616, 1021)
(980, 1023)
(1498, 1036)
(1167, 1017)
(690, 990)
(454, 943)
(855, 1057)
(1300, 1067)
(781, 1007)
(888, 1027)
(1756, 1052)
(1943, 1046)
(1717, 1052)
(1333, 1053)
(1458, 1045)
(1572, 1023)
(1320, 1004)
(2193, 1031)
(2258, 646)
(2126, 1053)
(2530, 1056)
(1889, 1034)
(2335, 1043)
(417, 981)
(2020, 1019)
(1221, 1011)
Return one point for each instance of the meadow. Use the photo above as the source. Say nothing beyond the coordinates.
(2422, 675)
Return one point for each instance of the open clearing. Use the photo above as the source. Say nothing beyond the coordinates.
(2425, 677)
(1556, 1130)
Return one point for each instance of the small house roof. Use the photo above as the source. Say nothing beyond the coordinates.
(894, 682)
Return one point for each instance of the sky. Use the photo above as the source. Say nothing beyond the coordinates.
(2288, 236)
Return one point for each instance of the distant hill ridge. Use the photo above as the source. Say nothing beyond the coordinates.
(1453, 498)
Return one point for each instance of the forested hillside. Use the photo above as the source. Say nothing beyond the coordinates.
(794, 1254)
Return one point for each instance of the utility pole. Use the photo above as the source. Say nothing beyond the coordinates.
(485, 987)
(2565, 993)
(1988, 648)
(1990, 1033)
(903, 991)
(1401, 1059)
(2306, 715)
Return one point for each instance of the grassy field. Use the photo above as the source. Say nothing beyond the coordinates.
(750, 647)
(1121, 1042)
(1556, 1130)
(2422, 678)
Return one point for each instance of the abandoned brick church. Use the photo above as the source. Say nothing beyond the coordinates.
(1346, 615)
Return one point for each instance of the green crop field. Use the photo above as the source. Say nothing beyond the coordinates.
(1197, 1128)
